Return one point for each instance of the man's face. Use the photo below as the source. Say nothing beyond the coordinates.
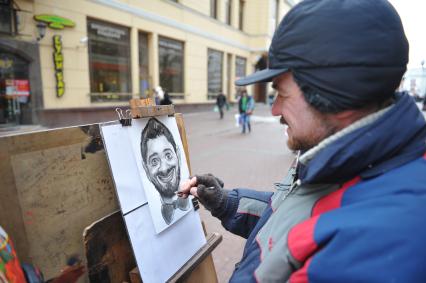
(306, 126)
(162, 166)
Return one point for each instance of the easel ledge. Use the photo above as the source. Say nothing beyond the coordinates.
(146, 108)
(212, 242)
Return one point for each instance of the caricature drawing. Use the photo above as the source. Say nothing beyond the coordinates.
(161, 161)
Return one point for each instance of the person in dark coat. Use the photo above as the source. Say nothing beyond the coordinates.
(166, 99)
(221, 103)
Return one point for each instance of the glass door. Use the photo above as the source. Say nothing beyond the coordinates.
(14, 87)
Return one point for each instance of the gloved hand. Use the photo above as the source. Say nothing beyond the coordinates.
(208, 189)
(210, 192)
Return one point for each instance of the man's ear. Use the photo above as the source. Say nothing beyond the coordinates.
(347, 117)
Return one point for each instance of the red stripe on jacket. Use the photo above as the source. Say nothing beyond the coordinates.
(301, 276)
(334, 199)
(301, 242)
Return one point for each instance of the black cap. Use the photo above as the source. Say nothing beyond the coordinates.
(336, 35)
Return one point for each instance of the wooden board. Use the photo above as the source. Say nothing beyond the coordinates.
(181, 126)
(108, 251)
(54, 184)
(152, 111)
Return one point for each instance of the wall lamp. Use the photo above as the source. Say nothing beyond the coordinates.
(41, 29)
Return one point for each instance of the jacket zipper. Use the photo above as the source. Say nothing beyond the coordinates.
(295, 185)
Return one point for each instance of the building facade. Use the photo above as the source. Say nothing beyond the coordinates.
(73, 61)
(415, 82)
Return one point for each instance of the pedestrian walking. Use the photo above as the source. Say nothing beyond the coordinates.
(245, 107)
(352, 206)
(221, 103)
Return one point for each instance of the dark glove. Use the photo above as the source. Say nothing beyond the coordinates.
(211, 193)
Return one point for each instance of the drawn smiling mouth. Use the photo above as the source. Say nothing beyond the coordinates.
(167, 178)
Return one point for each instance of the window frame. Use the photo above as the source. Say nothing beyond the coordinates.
(12, 21)
(180, 94)
(143, 66)
(109, 96)
(237, 60)
(212, 95)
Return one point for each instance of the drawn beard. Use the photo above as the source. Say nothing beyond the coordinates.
(167, 183)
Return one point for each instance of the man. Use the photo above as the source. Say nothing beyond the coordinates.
(220, 103)
(352, 208)
(161, 162)
(166, 99)
(245, 107)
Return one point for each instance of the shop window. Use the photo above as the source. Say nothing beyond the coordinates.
(7, 17)
(14, 87)
(214, 73)
(240, 66)
(171, 66)
(109, 61)
(144, 78)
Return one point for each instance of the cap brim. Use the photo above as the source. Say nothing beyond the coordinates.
(262, 76)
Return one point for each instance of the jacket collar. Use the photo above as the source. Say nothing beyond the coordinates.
(372, 146)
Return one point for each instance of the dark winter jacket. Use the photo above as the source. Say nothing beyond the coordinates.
(221, 100)
(356, 212)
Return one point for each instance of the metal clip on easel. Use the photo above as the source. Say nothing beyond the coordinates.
(124, 118)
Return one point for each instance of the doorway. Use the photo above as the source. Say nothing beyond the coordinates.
(14, 87)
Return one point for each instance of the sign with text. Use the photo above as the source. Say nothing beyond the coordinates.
(54, 22)
(17, 87)
(58, 61)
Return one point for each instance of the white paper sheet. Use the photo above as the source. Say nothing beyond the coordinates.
(153, 197)
(159, 256)
(123, 166)
(159, 252)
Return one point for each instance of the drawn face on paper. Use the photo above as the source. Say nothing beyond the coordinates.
(163, 166)
(160, 158)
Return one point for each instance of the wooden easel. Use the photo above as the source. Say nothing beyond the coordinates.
(56, 183)
(104, 242)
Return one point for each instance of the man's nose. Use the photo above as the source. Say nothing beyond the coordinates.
(163, 167)
(276, 107)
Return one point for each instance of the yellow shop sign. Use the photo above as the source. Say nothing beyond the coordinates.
(58, 61)
(54, 22)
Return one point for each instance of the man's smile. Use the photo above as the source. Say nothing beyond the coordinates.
(167, 177)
